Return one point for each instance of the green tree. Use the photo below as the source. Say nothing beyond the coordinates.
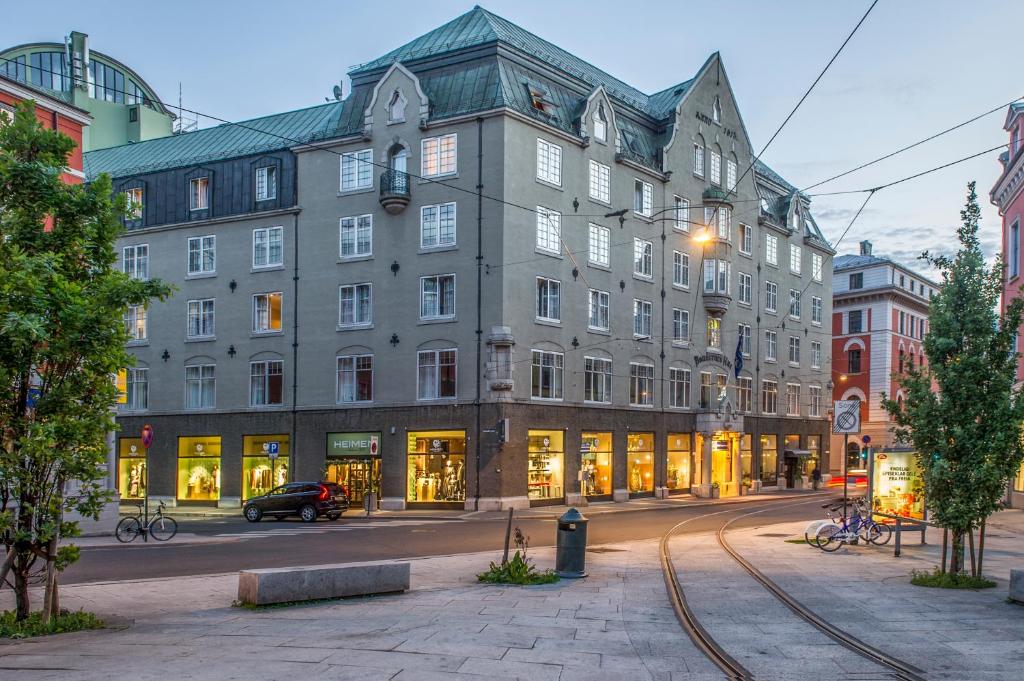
(62, 341)
(961, 411)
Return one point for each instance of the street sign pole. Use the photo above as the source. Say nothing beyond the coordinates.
(846, 471)
(147, 441)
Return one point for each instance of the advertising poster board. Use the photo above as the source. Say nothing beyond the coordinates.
(897, 487)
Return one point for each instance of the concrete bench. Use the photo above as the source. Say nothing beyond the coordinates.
(1017, 586)
(282, 585)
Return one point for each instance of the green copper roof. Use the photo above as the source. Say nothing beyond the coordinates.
(228, 140)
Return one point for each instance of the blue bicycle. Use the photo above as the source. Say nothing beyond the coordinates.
(859, 526)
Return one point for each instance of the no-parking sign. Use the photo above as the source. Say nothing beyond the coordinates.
(847, 417)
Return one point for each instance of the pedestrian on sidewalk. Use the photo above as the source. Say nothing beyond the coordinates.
(816, 477)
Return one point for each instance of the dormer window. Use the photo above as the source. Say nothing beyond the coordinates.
(199, 193)
(396, 107)
(716, 111)
(600, 124)
(539, 97)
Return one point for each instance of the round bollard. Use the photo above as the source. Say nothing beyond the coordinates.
(571, 545)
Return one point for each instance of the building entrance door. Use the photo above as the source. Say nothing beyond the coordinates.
(792, 470)
(357, 474)
(723, 464)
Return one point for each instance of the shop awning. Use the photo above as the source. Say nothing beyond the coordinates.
(797, 453)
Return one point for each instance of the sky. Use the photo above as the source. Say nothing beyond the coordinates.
(914, 68)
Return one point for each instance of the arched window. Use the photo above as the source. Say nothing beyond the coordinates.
(396, 107)
(698, 156)
(716, 165)
(600, 123)
(716, 111)
(901, 360)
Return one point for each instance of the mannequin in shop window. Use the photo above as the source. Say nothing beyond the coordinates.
(588, 478)
(137, 480)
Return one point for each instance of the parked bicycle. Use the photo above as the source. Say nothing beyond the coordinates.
(160, 527)
(859, 526)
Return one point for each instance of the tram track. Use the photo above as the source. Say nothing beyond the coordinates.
(893, 667)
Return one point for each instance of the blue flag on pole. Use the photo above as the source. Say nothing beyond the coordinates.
(739, 357)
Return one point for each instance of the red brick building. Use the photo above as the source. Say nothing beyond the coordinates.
(879, 320)
(1008, 196)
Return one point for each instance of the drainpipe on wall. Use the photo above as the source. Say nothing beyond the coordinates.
(479, 291)
(293, 439)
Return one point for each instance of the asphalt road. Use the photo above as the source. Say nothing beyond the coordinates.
(230, 545)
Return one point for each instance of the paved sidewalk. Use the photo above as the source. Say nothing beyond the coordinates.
(614, 625)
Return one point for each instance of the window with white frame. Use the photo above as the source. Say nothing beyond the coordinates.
(817, 265)
(680, 269)
(597, 380)
(200, 386)
(597, 314)
(266, 312)
(716, 276)
(679, 388)
(437, 296)
(816, 310)
(746, 238)
(744, 394)
(436, 376)
(355, 236)
(355, 378)
(548, 294)
(641, 384)
(792, 399)
(730, 174)
(355, 305)
(682, 214)
(698, 159)
(266, 383)
(641, 318)
(202, 254)
(549, 162)
(437, 225)
(600, 181)
(136, 389)
(769, 396)
(794, 258)
(546, 375)
(356, 169)
(794, 304)
(598, 245)
(771, 346)
(549, 230)
(201, 318)
(680, 325)
(643, 197)
(600, 124)
(439, 155)
(771, 249)
(135, 261)
(724, 223)
(135, 323)
(266, 183)
(814, 400)
(794, 350)
(744, 288)
(643, 257)
(267, 247)
(744, 339)
(199, 193)
(714, 329)
(716, 166)
(133, 203)
(815, 354)
(771, 296)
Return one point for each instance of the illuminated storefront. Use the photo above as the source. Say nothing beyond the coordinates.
(746, 460)
(722, 464)
(436, 467)
(131, 469)
(353, 461)
(770, 460)
(1018, 482)
(199, 470)
(814, 457)
(596, 465)
(679, 451)
(265, 463)
(545, 469)
(897, 487)
(640, 464)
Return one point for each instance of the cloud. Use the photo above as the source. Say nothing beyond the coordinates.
(839, 214)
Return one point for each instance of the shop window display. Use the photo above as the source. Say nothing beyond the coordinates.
(546, 454)
(199, 471)
(679, 451)
(437, 466)
(770, 460)
(746, 459)
(131, 469)
(596, 464)
(353, 461)
(260, 472)
(814, 458)
(640, 463)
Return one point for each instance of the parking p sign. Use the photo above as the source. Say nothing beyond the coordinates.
(847, 417)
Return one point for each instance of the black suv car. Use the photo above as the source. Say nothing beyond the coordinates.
(308, 500)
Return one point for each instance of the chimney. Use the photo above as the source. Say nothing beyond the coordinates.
(865, 247)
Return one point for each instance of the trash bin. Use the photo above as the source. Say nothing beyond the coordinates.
(571, 545)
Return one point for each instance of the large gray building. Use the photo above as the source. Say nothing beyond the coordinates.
(492, 276)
